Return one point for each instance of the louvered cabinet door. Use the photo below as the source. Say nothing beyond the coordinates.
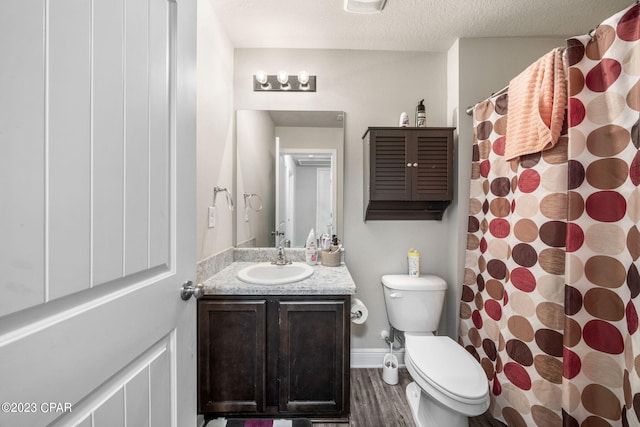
(432, 177)
(390, 177)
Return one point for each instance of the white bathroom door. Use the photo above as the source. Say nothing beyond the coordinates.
(97, 222)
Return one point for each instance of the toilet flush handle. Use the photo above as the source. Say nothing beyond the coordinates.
(395, 295)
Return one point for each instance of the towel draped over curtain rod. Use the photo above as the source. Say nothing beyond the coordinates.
(505, 89)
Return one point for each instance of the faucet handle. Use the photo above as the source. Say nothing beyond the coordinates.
(281, 258)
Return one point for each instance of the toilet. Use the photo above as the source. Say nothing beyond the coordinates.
(449, 385)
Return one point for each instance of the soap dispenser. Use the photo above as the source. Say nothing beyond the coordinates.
(421, 115)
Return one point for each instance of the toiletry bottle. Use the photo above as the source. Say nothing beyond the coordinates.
(404, 120)
(311, 249)
(421, 115)
(413, 259)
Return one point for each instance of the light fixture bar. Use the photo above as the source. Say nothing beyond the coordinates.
(273, 85)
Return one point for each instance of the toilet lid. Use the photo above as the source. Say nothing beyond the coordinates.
(447, 366)
(404, 282)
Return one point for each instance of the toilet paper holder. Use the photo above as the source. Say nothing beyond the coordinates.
(358, 311)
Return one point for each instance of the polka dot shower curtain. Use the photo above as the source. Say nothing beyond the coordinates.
(601, 365)
(550, 296)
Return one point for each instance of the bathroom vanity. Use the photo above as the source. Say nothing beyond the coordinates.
(275, 350)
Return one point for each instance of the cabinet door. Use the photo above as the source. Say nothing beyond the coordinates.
(391, 166)
(432, 178)
(314, 357)
(231, 356)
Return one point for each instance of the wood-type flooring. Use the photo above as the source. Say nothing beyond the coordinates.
(375, 403)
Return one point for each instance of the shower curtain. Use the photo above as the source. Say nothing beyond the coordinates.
(550, 296)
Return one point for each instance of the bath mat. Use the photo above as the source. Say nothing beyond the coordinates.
(220, 422)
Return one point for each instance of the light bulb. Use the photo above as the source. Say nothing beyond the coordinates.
(261, 77)
(283, 78)
(303, 77)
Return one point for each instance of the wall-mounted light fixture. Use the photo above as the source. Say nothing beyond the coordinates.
(283, 82)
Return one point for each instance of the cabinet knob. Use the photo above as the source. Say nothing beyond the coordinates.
(415, 165)
(408, 165)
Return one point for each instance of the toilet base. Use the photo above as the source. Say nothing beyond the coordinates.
(427, 412)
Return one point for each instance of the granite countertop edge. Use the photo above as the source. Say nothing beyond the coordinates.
(324, 281)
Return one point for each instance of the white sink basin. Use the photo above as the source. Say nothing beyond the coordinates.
(265, 273)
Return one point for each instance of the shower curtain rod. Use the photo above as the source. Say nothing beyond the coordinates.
(505, 89)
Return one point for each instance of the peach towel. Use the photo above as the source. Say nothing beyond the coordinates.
(537, 101)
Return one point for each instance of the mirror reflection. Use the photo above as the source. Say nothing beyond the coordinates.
(289, 176)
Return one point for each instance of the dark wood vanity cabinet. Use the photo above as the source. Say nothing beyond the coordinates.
(274, 356)
(408, 172)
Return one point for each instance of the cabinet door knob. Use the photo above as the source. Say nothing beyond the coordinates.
(415, 165)
(408, 165)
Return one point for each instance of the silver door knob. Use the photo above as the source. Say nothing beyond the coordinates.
(188, 289)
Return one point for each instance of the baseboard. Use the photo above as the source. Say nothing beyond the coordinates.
(373, 357)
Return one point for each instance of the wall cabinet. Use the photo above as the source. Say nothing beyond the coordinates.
(274, 356)
(408, 172)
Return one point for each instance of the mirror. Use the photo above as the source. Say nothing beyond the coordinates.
(288, 176)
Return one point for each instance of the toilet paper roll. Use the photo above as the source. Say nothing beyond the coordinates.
(359, 312)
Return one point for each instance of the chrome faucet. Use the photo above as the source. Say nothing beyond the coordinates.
(281, 258)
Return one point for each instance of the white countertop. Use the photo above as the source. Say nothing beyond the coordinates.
(323, 281)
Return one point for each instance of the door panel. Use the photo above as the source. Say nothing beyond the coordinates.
(311, 356)
(99, 119)
(136, 136)
(136, 392)
(435, 159)
(390, 153)
(102, 177)
(21, 143)
(232, 338)
(67, 132)
(107, 141)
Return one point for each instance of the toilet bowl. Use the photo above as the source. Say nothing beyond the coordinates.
(449, 384)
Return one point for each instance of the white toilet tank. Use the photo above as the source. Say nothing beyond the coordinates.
(414, 304)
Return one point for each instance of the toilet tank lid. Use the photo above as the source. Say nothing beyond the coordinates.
(405, 282)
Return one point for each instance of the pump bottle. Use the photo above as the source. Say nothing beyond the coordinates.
(311, 249)
(421, 115)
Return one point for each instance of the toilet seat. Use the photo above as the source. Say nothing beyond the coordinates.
(447, 372)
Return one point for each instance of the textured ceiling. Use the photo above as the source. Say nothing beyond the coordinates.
(419, 25)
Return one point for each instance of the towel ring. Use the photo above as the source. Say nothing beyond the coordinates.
(255, 205)
(217, 190)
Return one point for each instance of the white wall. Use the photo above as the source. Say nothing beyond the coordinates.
(215, 149)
